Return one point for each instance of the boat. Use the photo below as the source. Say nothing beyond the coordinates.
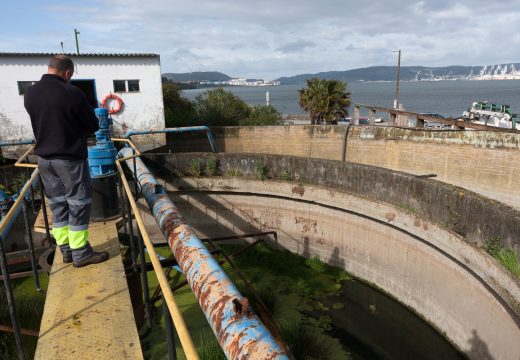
(485, 113)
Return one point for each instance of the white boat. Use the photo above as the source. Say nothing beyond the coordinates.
(485, 113)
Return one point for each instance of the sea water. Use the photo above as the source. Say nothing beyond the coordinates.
(448, 98)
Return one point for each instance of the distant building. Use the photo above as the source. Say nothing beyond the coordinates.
(135, 78)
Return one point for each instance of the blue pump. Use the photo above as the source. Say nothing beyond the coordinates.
(102, 156)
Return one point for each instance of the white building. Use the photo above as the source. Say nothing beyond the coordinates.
(135, 78)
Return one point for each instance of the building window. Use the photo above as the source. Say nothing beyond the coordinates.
(133, 85)
(23, 86)
(126, 85)
(119, 85)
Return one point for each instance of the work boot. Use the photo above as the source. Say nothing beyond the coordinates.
(85, 256)
(95, 258)
(66, 253)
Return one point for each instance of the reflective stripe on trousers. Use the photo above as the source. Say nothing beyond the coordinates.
(68, 188)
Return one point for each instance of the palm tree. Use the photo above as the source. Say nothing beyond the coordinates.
(327, 101)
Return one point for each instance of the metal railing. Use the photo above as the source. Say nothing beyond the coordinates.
(5, 225)
(399, 118)
(170, 308)
(238, 330)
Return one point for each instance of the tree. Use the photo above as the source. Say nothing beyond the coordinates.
(326, 101)
(178, 111)
(220, 108)
(263, 115)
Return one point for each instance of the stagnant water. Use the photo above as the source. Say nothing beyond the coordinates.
(371, 325)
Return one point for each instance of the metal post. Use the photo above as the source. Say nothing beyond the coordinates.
(144, 280)
(10, 300)
(29, 240)
(170, 331)
(44, 211)
(131, 233)
(127, 221)
(142, 258)
(76, 33)
(136, 187)
(396, 102)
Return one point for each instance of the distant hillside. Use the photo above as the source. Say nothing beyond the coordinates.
(388, 73)
(197, 76)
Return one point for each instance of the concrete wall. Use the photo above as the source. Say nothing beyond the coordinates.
(142, 110)
(484, 162)
(466, 213)
(335, 211)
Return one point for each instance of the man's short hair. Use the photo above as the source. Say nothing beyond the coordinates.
(61, 63)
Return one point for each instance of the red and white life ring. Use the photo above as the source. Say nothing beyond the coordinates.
(116, 109)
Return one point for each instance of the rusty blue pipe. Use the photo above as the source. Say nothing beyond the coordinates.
(239, 331)
(206, 129)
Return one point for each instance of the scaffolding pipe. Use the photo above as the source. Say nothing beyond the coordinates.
(206, 129)
(239, 331)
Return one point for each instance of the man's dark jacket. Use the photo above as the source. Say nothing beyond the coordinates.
(61, 118)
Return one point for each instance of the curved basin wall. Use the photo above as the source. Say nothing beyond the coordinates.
(447, 280)
(477, 160)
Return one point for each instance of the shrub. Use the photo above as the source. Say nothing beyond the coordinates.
(263, 115)
(220, 108)
(211, 166)
(261, 171)
(233, 172)
(195, 167)
(178, 111)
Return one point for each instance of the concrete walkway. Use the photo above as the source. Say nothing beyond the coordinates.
(88, 313)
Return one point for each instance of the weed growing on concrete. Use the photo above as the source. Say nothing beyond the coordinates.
(493, 246)
(211, 166)
(261, 171)
(505, 256)
(195, 167)
(233, 172)
(285, 176)
(509, 260)
(408, 208)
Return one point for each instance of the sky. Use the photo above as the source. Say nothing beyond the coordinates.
(271, 38)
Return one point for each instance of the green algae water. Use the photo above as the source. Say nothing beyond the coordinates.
(321, 312)
(29, 307)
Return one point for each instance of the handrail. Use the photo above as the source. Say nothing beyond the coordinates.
(180, 325)
(19, 162)
(239, 331)
(21, 197)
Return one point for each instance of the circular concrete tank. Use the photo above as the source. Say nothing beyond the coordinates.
(446, 279)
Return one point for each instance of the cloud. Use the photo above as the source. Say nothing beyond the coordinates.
(296, 46)
(272, 38)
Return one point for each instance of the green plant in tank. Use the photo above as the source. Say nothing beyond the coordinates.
(211, 166)
(285, 176)
(261, 171)
(233, 172)
(195, 167)
(509, 260)
(505, 256)
(493, 246)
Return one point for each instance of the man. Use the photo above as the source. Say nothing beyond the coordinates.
(61, 119)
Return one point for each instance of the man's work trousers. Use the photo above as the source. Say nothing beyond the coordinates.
(68, 188)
